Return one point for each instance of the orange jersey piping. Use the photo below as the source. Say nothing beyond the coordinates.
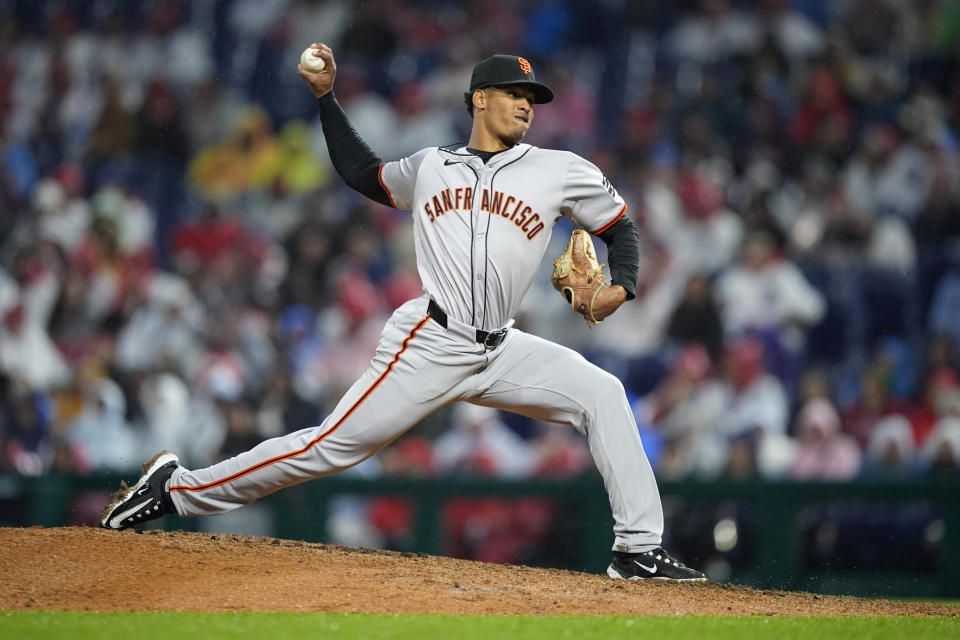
(389, 195)
(611, 223)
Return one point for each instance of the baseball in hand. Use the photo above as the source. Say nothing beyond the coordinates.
(311, 62)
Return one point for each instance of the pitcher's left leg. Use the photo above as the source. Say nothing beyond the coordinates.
(545, 381)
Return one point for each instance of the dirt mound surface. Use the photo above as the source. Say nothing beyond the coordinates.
(83, 568)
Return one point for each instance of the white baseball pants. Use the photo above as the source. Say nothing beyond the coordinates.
(419, 366)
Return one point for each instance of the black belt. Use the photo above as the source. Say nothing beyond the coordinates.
(489, 339)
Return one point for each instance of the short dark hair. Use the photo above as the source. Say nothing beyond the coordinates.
(468, 100)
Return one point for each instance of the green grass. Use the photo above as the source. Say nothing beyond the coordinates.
(145, 626)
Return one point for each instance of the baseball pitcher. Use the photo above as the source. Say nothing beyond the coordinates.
(482, 214)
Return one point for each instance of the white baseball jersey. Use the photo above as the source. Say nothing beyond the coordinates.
(500, 214)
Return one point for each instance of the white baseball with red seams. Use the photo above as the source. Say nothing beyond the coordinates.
(480, 231)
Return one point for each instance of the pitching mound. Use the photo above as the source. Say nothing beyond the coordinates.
(85, 568)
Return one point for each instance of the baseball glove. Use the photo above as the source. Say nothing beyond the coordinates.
(578, 276)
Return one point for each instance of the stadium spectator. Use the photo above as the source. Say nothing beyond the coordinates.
(823, 451)
(875, 401)
(754, 398)
(101, 437)
(714, 30)
(27, 433)
(940, 456)
(27, 297)
(684, 409)
(891, 451)
(165, 330)
(933, 403)
(696, 318)
(479, 443)
(765, 292)
(558, 452)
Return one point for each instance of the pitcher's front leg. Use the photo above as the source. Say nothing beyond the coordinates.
(546, 381)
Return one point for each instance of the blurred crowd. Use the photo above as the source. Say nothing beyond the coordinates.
(181, 268)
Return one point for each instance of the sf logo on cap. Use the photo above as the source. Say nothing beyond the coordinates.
(525, 65)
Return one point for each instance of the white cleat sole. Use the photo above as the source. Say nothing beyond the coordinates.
(613, 573)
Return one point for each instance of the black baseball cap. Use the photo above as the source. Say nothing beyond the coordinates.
(500, 70)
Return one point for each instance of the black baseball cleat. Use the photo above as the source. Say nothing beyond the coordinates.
(146, 500)
(656, 564)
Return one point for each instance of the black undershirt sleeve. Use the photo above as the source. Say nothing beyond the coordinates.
(352, 158)
(623, 254)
